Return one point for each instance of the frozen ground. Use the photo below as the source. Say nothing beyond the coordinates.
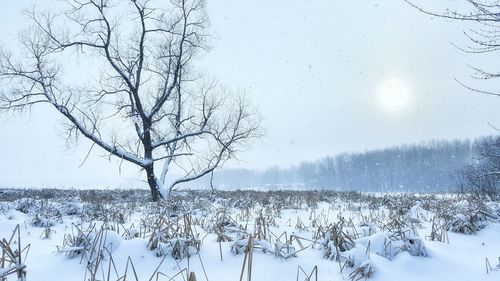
(379, 237)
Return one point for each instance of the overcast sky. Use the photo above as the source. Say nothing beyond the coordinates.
(327, 76)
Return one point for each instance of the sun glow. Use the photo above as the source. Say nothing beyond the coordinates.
(394, 94)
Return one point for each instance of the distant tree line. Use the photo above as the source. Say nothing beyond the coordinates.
(429, 166)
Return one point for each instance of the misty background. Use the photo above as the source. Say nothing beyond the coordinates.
(313, 68)
(434, 166)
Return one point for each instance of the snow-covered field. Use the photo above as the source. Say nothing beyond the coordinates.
(105, 235)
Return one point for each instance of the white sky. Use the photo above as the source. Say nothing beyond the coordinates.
(313, 68)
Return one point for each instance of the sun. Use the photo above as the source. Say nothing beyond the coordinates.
(394, 94)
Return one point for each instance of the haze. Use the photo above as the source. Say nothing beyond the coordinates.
(315, 70)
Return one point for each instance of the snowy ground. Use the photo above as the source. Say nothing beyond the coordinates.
(369, 221)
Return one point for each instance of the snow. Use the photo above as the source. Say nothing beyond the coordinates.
(463, 259)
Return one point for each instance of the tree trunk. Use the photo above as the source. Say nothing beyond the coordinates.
(148, 154)
(155, 193)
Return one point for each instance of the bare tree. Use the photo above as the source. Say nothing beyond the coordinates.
(484, 36)
(481, 178)
(147, 106)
